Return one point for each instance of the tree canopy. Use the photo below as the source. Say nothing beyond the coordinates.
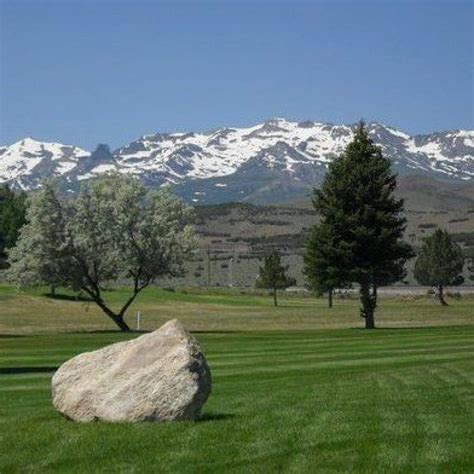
(12, 218)
(362, 222)
(272, 275)
(439, 263)
(322, 261)
(116, 229)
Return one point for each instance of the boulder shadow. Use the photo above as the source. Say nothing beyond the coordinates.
(214, 331)
(215, 417)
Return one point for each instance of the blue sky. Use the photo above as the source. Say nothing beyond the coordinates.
(84, 72)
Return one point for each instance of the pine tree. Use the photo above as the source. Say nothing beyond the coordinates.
(273, 275)
(357, 204)
(440, 263)
(12, 218)
(323, 260)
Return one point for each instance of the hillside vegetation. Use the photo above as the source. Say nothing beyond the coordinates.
(244, 232)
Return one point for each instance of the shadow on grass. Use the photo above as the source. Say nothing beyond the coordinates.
(26, 370)
(215, 417)
(106, 331)
(215, 331)
(143, 331)
(62, 297)
(290, 305)
(410, 328)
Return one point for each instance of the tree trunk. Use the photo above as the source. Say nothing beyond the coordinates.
(52, 290)
(116, 318)
(369, 320)
(119, 321)
(368, 302)
(94, 292)
(330, 297)
(275, 302)
(441, 296)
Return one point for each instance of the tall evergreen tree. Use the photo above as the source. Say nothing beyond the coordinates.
(357, 204)
(439, 263)
(273, 275)
(12, 218)
(2, 251)
(322, 262)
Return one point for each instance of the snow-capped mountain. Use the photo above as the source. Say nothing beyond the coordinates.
(25, 163)
(237, 163)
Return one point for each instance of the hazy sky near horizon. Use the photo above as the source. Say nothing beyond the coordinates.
(83, 72)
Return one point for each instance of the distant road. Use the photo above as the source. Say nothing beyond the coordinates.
(422, 290)
(401, 290)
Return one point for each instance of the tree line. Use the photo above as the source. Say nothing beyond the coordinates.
(117, 229)
(359, 237)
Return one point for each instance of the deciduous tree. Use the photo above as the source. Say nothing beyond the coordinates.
(115, 229)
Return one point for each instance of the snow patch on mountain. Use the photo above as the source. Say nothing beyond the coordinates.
(297, 150)
(28, 161)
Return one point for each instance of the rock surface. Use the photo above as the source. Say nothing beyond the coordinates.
(156, 377)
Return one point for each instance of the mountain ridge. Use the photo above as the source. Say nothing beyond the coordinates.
(257, 163)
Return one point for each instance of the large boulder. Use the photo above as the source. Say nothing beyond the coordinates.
(159, 376)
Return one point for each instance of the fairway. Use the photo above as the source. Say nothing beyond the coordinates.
(31, 312)
(397, 400)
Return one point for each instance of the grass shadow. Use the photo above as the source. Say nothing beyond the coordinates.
(106, 331)
(27, 370)
(62, 297)
(410, 328)
(144, 331)
(215, 331)
(290, 305)
(215, 417)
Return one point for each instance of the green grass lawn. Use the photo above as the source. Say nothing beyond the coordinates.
(33, 313)
(311, 398)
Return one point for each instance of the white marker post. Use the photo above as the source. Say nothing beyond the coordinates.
(138, 320)
(231, 272)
